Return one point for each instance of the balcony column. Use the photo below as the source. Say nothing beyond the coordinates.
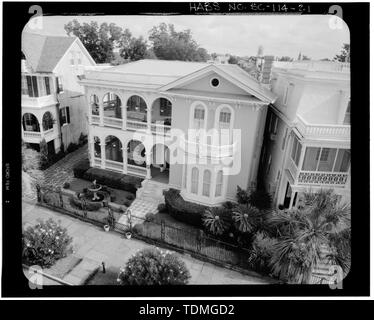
(124, 116)
(301, 161)
(149, 117)
(91, 150)
(148, 164)
(101, 110)
(124, 157)
(103, 156)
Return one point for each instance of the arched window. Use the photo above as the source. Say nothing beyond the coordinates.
(113, 149)
(219, 183)
(161, 111)
(97, 147)
(94, 102)
(30, 122)
(199, 117)
(224, 118)
(47, 121)
(136, 109)
(194, 180)
(206, 183)
(112, 106)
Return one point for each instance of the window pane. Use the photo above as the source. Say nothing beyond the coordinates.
(298, 151)
(311, 158)
(343, 160)
(206, 183)
(327, 159)
(194, 180)
(219, 183)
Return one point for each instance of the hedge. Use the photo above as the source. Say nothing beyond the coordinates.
(81, 168)
(90, 206)
(113, 179)
(184, 211)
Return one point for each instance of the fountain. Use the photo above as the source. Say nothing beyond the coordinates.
(94, 188)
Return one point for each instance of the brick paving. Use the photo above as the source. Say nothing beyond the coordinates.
(58, 173)
(62, 171)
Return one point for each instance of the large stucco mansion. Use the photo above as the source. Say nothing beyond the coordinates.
(207, 128)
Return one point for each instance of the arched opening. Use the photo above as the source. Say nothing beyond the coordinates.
(136, 109)
(225, 124)
(47, 121)
(30, 123)
(112, 106)
(160, 165)
(97, 147)
(136, 153)
(113, 149)
(198, 117)
(94, 103)
(161, 112)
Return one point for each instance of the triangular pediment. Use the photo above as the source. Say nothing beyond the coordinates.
(232, 81)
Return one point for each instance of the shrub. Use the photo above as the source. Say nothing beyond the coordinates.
(127, 203)
(217, 220)
(90, 206)
(188, 212)
(154, 267)
(260, 199)
(44, 160)
(261, 253)
(242, 195)
(162, 208)
(80, 168)
(66, 185)
(150, 217)
(130, 197)
(82, 139)
(45, 243)
(113, 179)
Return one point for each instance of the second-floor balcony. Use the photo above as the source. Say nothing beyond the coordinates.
(38, 102)
(323, 131)
(323, 166)
(135, 116)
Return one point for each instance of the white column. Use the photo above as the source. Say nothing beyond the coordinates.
(149, 117)
(124, 117)
(101, 108)
(103, 157)
(124, 157)
(148, 164)
(301, 161)
(91, 147)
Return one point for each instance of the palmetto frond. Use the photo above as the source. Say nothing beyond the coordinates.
(245, 218)
(216, 220)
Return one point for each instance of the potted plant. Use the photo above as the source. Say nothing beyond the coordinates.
(128, 235)
(106, 227)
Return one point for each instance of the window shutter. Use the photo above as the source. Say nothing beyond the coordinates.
(60, 117)
(57, 86)
(29, 86)
(67, 114)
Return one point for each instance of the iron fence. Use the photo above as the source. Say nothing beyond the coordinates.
(193, 241)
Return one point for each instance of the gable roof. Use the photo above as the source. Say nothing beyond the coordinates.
(168, 74)
(44, 52)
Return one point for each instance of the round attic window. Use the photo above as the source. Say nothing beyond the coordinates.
(214, 82)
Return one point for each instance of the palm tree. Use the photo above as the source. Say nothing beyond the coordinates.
(304, 234)
(246, 218)
(217, 220)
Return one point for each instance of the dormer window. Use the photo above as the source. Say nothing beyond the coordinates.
(347, 117)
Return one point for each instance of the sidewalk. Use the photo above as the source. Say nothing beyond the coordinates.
(91, 242)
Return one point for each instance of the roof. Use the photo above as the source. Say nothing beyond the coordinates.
(44, 52)
(163, 74)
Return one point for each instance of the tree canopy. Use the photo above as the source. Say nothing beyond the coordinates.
(168, 44)
(344, 55)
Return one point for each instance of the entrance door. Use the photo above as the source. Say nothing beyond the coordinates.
(51, 147)
(287, 196)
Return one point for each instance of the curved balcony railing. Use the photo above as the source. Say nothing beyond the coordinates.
(208, 150)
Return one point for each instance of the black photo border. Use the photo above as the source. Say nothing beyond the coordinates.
(14, 284)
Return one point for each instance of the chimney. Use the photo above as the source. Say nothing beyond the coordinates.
(266, 69)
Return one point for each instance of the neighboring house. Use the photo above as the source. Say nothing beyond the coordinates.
(53, 103)
(307, 140)
(220, 59)
(141, 117)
